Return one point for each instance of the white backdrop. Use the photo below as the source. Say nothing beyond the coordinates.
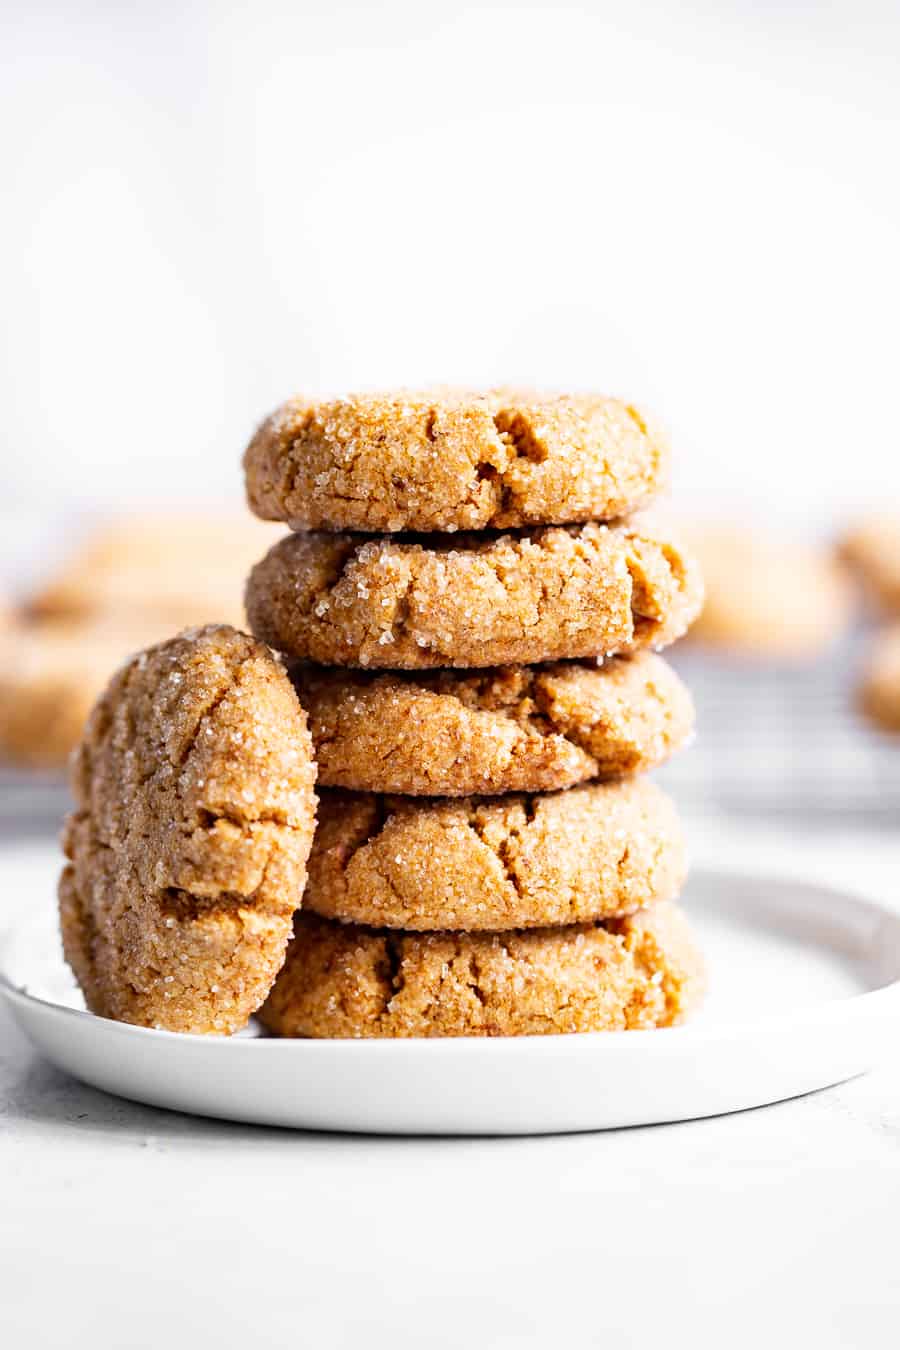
(207, 207)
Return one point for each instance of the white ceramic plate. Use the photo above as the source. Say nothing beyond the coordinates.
(804, 994)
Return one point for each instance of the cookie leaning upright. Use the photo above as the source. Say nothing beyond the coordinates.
(190, 836)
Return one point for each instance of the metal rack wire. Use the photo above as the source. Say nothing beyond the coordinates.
(785, 742)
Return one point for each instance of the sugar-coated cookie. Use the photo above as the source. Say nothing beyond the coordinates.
(188, 845)
(517, 861)
(512, 729)
(627, 974)
(473, 600)
(452, 460)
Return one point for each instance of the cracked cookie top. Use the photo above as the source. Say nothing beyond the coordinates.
(628, 974)
(194, 814)
(473, 600)
(450, 460)
(509, 729)
(518, 861)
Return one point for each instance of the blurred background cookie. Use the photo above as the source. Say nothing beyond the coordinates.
(773, 665)
(767, 597)
(50, 675)
(871, 548)
(126, 582)
(879, 690)
(188, 567)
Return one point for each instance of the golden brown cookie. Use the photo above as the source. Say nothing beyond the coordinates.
(188, 568)
(627, 974)
(452, 460)
(513, 729)
(518, 861)
(50, 675)
(472, 600)
(872, 549)
(767, 597)
(189, 840)
(879, 692)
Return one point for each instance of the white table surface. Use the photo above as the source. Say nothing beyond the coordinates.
(124, 1226)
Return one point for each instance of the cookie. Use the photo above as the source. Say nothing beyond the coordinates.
(767, 597)
(872, 550)
(879, 692)
(452, 460)
(513, 729)
(188, 568)
(628, 974)
(472, 600)
(188, 844)
(518, 861)
(50, 675)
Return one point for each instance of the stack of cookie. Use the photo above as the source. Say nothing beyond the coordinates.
(474, 643)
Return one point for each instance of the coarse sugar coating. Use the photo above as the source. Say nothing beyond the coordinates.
(473, 600)
(879, 691)
(512, 729)
(871, 547)
(517, 861)
(628, 974)
(453, 459)
(187, 848)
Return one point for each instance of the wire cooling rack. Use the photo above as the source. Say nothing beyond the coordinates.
(31, 803)
(784, 742)
(780, 742)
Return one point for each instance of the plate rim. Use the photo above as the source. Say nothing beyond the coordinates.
(871, 1002)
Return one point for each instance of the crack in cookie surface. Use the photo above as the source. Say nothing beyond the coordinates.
(452, 460)
(512, 729)
(481, 863)
(639, 972)
(474, 600)
(194, 812)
